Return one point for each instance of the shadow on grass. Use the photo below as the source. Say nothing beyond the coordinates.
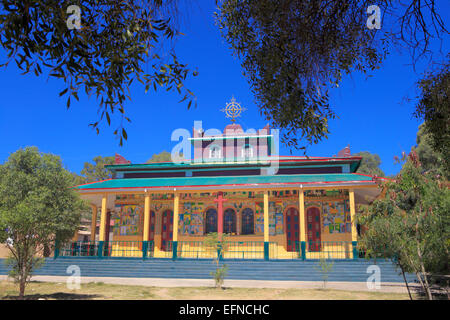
(55, 296)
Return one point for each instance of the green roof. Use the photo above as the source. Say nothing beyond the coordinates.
(230, 180)
(265, 161)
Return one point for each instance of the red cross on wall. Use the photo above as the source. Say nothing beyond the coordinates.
(220, 200)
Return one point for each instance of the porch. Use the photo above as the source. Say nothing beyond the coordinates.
(280, 223)
(254, 250)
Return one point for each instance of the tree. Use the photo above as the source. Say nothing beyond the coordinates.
(116, 42)
(410, 224)
(220, 245)
(163, 156)
(37, 206)
(434, 108)
(294, 52)
(97, 171)
(431, 160)
(370, 164)
(324, 267)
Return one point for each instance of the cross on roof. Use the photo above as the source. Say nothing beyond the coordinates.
(233, 109)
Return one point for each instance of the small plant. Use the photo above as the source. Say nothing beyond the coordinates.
(219, 275)
(324, 268)
(214, 244)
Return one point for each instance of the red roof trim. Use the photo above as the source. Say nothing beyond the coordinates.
(85, 184)
(373, 177)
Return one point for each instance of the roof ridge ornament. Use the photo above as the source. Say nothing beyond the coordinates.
(233, 109)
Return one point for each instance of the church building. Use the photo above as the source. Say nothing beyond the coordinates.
(261, 205)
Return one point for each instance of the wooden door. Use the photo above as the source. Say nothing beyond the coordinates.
(151, 227)
(166, 229)
(292, 229)
(313, 228)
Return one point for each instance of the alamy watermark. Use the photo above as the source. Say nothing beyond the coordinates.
(374, 280)
(213, 145)
(374, 20)
(74, 20)
(74, 280)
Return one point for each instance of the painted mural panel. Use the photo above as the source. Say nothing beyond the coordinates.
(191, 218)
(259, 218)
(336, 216)
(128, 220)
(275, 217)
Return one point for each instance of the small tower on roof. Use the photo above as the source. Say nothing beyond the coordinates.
(234, 144)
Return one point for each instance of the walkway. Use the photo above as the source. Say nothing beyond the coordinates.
(161, 282)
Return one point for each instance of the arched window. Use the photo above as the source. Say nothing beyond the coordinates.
(247, 151)
(229, 221)
(215, 152)
(210, 220)
(247, 221)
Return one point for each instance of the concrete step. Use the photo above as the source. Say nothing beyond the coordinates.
(353, 270)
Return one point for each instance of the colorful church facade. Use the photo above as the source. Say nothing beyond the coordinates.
(267, 206)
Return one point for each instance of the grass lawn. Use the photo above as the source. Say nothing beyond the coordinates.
(99, 290)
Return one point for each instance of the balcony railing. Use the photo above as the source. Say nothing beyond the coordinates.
(200, 250)
(79, 249)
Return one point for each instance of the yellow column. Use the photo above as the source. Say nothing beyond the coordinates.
(75, 236)
(101, 235)
(146, 218)
(302, 223)
(351, 195)
(93, 222)
(176, 202)
(301, 206)
(266, 216)
(176, 207)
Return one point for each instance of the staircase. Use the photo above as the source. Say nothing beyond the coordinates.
(293, 270)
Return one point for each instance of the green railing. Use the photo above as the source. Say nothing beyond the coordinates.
(167, 249)
(122, 249)
(150, 249)
(195, 250)
(79, 249)
(328, 250)
(230, 250)
(297, 249)
(199, 250)
(248, 250)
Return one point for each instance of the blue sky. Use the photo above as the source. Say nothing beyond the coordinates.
(372, 113)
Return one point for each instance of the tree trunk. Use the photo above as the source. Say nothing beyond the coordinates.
(427, 285)
(406, 281)
(422, 268)
(22, 288)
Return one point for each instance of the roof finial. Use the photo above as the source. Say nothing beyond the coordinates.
(233, 109)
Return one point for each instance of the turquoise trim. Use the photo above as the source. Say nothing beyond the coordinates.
(266, 250)
(144, 249)
(227, 180)
(257, 161)
(174, 250)
(219, 251)
(303, 248)
(56, 253)
(214, 138)
(234, 168)
(355, 250)
(100, 249)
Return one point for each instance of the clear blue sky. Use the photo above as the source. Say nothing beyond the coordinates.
(372, 114)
